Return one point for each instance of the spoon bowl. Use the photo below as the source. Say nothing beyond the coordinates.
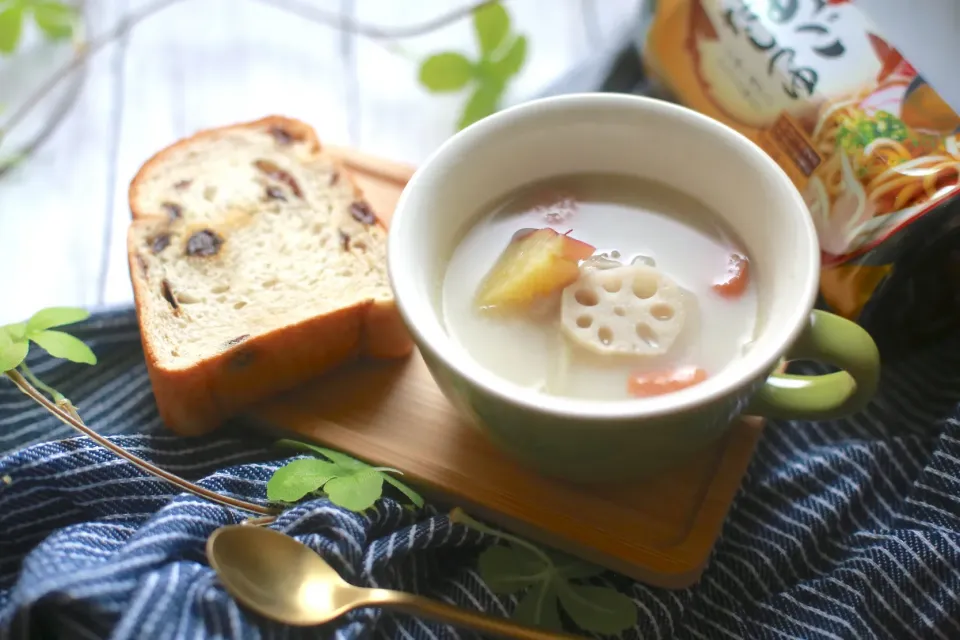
(277, 576)
(286, 581)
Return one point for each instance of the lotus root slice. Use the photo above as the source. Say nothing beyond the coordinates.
(631, 310)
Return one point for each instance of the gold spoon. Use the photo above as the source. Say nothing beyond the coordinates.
(287, 581)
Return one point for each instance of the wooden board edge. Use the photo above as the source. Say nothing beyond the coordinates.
(398, 173)
(677, 566)
(685, 573)
(692, 555)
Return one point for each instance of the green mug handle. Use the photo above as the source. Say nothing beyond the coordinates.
(834, 340)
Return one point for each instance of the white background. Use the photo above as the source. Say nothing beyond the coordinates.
(203, 63)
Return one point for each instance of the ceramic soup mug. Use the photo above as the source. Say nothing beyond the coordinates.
(604, 440)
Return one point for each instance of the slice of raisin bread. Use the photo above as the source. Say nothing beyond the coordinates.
(256, 264)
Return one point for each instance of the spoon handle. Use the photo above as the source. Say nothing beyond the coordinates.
(441, 612)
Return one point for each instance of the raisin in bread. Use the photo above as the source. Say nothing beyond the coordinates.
(256, 264)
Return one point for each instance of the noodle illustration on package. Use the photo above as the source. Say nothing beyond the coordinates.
(869, 144)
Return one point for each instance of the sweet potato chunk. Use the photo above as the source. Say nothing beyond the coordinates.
(534, 264)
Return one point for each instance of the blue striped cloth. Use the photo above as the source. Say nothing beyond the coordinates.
(842, 529)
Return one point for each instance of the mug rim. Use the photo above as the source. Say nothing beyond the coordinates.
(443, 347)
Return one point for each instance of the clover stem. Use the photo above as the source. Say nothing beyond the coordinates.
(58, 398)
(459, 516)
(69, 417)
(40, 384)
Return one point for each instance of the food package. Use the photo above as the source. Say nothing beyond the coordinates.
(872, 147)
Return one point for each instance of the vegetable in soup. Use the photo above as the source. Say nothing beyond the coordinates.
(600, 286)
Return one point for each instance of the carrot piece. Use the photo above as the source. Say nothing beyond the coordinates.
(646, 385)
(734, 281)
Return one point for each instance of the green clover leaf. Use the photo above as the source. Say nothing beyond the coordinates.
(334, 456)
(501, 57)
(55, 317)
(599, 609)
(512, 60)
(295, 480)
(17, 331)
(55, 19)
(348, 482)
(444, 72)
(483, 101)
(11, 27)
(491, 24)
(573, 568)
(507, 570)
(15, 345)
(356, 490)
(63, 345)
(538, 607)
(415, 498)
(12, 351)
(546, 576)
(57, 343)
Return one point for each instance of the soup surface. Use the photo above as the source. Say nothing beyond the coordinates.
(600, 286)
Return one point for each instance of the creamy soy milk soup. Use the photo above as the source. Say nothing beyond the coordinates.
(600, 287)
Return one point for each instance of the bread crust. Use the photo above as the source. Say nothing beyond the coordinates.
(197, 399)
(295, 127)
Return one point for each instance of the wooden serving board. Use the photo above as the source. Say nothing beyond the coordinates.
(659, 531)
